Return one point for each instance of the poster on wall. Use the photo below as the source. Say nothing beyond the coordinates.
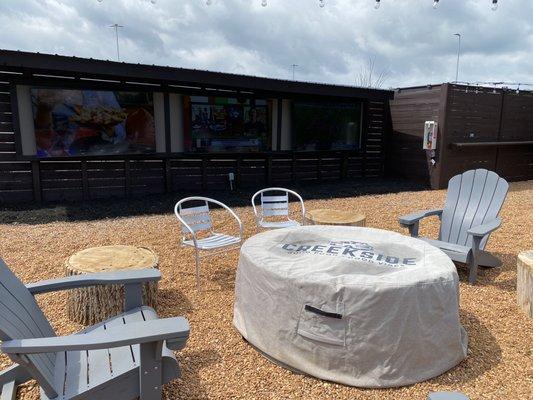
(224, 124)
(91, 122)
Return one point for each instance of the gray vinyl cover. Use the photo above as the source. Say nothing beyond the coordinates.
(359, 306)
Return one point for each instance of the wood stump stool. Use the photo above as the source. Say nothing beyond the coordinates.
(325, 216)
(524, 282)
(94, 304)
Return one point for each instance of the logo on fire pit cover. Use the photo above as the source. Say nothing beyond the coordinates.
(359, 251)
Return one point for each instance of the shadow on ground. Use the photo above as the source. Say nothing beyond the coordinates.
(484, 353)
(173, 302)
(488, 276)
(191, 386)
(164, 204)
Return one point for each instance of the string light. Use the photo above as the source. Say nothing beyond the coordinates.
(151, 1)
(322, 3)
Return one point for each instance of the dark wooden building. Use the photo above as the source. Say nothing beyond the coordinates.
(43, 158)
(478, 127)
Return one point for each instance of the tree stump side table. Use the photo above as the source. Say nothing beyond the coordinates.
(94, 304)
(326, 216)
(524, 281)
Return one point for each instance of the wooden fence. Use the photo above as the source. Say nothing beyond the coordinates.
(478, 128)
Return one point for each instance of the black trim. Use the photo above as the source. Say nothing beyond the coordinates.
(75, 67)
(322, 312)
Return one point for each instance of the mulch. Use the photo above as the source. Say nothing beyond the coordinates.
(218, 364)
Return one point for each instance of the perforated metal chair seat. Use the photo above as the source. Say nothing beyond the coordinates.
(218, 240)
(278, 224)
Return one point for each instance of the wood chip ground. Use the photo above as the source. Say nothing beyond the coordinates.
(218, 364)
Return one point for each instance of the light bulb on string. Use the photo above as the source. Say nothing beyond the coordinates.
(208, 2)
(378, 3)
(321, 3)
(264, 3)
(435, 4)
(518, 89)
(494, 5)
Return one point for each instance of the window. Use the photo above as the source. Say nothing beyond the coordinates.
(216, 124)
(326, 126)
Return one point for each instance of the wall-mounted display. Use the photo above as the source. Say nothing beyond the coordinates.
(91, 122)
(326, 126)
(215, 124)
(430, 135)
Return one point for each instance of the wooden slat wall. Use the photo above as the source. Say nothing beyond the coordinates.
(473, 116)
(409, 110)
(516, 162)
(467, 114)
(85, 179)
(16, 182)
(488, 115)
(373, 140)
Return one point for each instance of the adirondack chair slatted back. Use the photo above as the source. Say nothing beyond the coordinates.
(21, 318)
(473, 198)
(275, 206)
(198, 218)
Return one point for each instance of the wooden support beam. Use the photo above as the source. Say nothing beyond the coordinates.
(85, 180)
(36, 176)
(127, 178)
(279, 124)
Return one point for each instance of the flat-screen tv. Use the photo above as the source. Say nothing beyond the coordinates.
(326, 126)
(71, 122)
(226, 124)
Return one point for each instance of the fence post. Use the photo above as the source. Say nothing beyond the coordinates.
(36, 176)
(127, 178)
(84, 180)
(268, 169)
(168, 175)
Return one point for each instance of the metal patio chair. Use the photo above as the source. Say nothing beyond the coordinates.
(275, 205)
(470, 214)
(196, 220)
(123, 358)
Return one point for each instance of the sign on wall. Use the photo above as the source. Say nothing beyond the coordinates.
(430, 135)
(92, 122)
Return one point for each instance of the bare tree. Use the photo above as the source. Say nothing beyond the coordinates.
(369, 77)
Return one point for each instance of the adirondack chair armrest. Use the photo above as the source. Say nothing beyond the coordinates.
(486, 228)
(173, 329)
(415, 217)
(130, 277)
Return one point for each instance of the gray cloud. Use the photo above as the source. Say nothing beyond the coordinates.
(407, 37)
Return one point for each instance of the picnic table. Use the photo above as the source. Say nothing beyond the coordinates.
(91, 305)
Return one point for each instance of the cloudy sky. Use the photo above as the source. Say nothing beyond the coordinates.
(408, 39)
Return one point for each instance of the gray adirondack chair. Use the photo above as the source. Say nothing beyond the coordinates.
(125, 357)
(470, 214)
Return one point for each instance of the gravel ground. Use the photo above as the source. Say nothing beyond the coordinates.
(218, 364)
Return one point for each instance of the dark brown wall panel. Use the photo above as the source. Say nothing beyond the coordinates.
(410, 109)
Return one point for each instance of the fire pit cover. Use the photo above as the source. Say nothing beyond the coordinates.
(359, 306)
